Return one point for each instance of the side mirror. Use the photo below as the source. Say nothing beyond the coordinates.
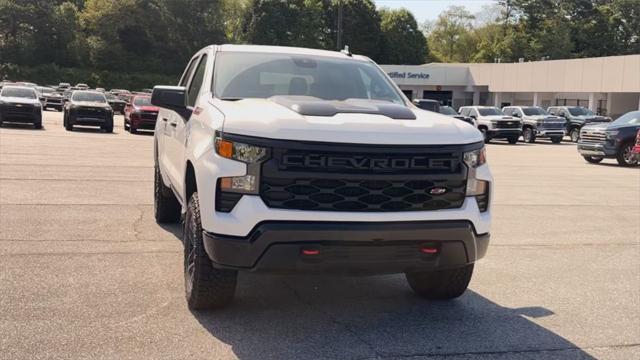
(169, 97)
(515, 114)
(473, 117)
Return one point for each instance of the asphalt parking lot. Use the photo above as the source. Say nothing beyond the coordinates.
(85, 272)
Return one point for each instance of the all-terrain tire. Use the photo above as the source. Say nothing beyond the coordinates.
(513, 140)
(556, 139)
(574, 134)
(69, 125)
(166, 207)
(486, 137)
(593, 159)
(441, 285)
(528, 135)
(205, 286)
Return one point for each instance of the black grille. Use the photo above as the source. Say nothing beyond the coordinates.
(508, 124)
(24, 109)
(149, 115)
(334, 177)
(90, 112)
(361, 195)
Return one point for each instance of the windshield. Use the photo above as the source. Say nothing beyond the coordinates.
(142, 101)
(19, 92)
(447, 110)
(110, 96)
(632, 118)
(490, 111)
(577, 111)
(534, 111)
(259, 75)
(88, 96)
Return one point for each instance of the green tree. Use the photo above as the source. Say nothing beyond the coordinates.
(402, 41)
(360, 26)
(451, 38)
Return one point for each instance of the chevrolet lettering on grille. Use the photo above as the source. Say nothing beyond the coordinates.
(366, 163)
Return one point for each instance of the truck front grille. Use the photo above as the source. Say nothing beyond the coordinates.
(335, 177)
(90, 112)
(508, 124)
(592, 136)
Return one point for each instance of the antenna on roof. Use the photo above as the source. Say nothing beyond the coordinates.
(346, 51)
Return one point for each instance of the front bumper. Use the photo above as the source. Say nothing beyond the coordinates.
(348, 247)
(503, 133)
(549, 132)
(596, 149)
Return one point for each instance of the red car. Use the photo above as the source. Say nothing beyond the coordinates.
(636, 147)
(140, 114)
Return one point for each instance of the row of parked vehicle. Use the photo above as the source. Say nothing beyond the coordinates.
(598, 137)
(24, 103)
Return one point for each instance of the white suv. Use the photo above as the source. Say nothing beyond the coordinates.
(493, 123)
(297, 160)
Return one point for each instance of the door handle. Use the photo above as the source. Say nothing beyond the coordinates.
(173, 124)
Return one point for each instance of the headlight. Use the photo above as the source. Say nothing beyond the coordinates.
(238, 151)
(475, 158)
(539, 122)
(611, 134)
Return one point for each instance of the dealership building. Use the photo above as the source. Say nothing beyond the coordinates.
(607, 85)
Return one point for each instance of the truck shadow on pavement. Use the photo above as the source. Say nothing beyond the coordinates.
(280, 317)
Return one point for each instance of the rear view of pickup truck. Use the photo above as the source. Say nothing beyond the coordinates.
(292, 160)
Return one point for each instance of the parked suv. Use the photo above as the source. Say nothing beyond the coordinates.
(299, 160)
(50, 98)
(20, 104)
(611, 140)
(140, 114)
(427, 104)
(448, 110)
(537, 123)
(577, 117)
(493, 123)
(88, 108)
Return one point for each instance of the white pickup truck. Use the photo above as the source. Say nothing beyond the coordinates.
(297, 160)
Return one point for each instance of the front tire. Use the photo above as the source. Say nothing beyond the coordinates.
(205, 286)
(486, 137)
(513, 140)
(166, 207)
(593, 159)
(68, 125)
(528, 135)
(556, 139)
(625, 155)
(441, 285)
(574, 135)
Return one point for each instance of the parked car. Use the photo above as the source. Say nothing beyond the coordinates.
(577, 117)
(63, 86)
(448, 110)
(493, 123)
(427, 104)
(88, 108)
(5, 83)
(116, 104)
(82, 86)
(325, 172)
(122, 94)
(537, 123)
(140, 114)
(50, 98)
(20, 104)
(611, 140)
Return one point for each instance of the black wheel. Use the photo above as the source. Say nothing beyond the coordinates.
(37, 125)
(575, 134)
(485, 135)
(593, 159)
(441, 285)
(68, 125)
(205, 286)
(625, 156)
(528, 135)
(132, 129)
(513, 139)
(556, 139)
(108, 129)
(166, 207)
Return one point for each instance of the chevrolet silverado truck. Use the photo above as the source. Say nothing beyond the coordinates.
(20, 104)
(493, 123)
(614, 140)
(577, 117)
(293, 160)
(537, 123)
(88, 108)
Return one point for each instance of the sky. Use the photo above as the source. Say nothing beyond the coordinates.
(430, 9)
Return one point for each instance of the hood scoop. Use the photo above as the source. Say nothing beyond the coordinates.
(313, 106)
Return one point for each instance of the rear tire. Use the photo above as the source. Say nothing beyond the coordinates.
(441, 285)
(166, 207)
(205, 286)
(625, 155)
(593, 159)
(556, 139)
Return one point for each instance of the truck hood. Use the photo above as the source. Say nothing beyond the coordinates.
(499, 117)
(19, 100)
(544, 117)
(90, 104)
(147, 108)
(597, 126)
(269, 118)
(592, 118)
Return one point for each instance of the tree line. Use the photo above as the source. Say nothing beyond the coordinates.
(136, 43)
